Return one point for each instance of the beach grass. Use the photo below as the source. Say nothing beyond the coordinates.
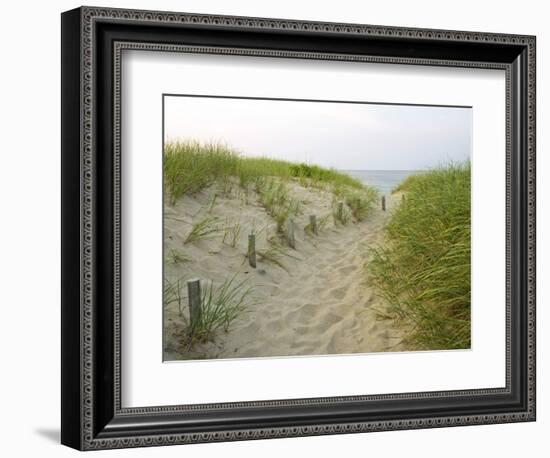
(315, 175)
(340, 212)
(177, 257)
(361, 202)
(172, 292)
(423, 270)
(275, 196)
(220, 306)
(251, 169)
(408, 182)
(275, 253)
(231, 232)
(190, 166)
(323, 222)
(205, 228)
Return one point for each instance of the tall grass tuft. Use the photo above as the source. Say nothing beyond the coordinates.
(172, 292)
(177, 257)
(275, 254)
(231, 232)
(424, 269)
(340, 212)
(361, 202)
(190, 166)
(220, 307)
(276, 198)
(205, 228)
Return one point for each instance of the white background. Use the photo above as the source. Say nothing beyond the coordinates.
(147, 76)
(30, 245)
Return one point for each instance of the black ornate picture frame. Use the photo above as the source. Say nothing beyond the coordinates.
(92, 42)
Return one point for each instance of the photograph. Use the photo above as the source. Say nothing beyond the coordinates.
(296, 227)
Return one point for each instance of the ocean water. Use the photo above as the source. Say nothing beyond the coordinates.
(383, 180)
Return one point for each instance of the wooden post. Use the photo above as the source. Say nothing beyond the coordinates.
(403, 198)
(384, 203)
(252, 250)
(340, 211)
(290, 234)
(194, 293)
(313, 224)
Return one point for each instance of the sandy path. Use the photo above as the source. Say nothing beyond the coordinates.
(319, 305)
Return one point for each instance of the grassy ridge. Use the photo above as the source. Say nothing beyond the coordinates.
(424, 270)
(190, 166)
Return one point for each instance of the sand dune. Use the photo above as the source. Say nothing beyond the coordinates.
(317, 304)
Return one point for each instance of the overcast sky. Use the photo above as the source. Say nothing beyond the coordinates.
(340, 135)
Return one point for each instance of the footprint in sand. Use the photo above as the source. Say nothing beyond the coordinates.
(292, 293)
(337, 293)
(308, 277)
(303, 314)
(321, 265)
(302, 330)
(373, 329)
(272, 290)
(325, 322)
(251, 328)
(274, 326)
(347, 269)
(304, 347)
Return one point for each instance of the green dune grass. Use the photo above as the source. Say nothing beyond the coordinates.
(423, 270)
(190, 166)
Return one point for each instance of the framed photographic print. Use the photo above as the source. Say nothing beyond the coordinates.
(277, 228)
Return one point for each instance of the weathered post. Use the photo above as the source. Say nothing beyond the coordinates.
(252, 250)
(290, 233)
(384, 203)
(340, 211)
(313, 224)
(403, 198)
(194, 293)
